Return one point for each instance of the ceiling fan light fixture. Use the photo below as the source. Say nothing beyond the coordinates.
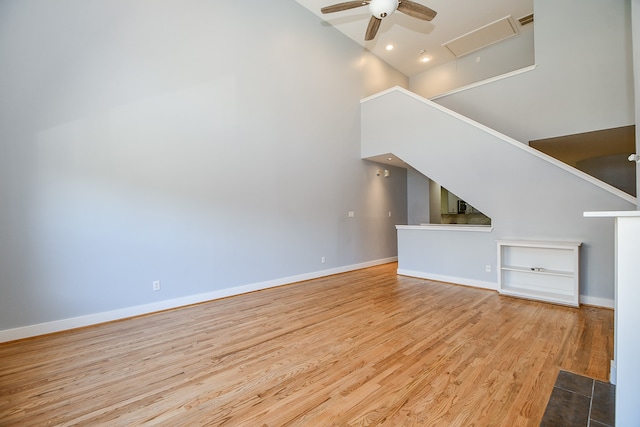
(382, 8)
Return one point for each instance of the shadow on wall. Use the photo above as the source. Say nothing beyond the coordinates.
(602, 154)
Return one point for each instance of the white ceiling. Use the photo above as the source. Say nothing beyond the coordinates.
(410, 36)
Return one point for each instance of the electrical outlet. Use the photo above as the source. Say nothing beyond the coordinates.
(488, 268)
(322, 260)
(352, 214)
(389, 214)
(156, 285)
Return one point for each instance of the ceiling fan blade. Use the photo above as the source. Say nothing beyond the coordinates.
(372, 28)
(344, 6)
(416, 10)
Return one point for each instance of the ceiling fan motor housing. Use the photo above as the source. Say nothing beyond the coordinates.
(382, 8)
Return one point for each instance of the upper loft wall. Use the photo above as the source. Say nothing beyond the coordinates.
(506, 56)
(583, 80)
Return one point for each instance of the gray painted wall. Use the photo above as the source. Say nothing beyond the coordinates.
(204, 144)
(582, 82)
(435, 202)
(418, 195)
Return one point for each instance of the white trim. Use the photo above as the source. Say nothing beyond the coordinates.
(447, 227)
(539, 244)
(460, 89)
(611, 214)
(613, 372)
(486, 81)
(449, 279)
(123, 313)
(596, 301)
(584, 299)
(578, 173)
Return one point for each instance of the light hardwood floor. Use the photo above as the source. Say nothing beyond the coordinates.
(360, 348)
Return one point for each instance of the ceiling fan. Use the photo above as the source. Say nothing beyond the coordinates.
(381, 9)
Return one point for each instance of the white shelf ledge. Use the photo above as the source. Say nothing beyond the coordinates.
(447, 227)
(532, 270)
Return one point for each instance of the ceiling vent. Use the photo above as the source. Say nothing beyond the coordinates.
(528, 19)
(482, 37)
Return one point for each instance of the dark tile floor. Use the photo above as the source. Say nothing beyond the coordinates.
(580, 401)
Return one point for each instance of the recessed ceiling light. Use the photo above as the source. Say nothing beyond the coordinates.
(424, 57)
(389, 47)
(389, 158)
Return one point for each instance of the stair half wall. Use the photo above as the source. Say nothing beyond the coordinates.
(527, 194)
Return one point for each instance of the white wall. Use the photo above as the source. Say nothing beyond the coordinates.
(205, 144)
(581, 83)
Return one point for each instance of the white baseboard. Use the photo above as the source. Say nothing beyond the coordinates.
(584, 299)
(613, 373)
(597, 302)
(123, 313)
(450, 279)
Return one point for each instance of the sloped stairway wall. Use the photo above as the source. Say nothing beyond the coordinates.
(527, 194)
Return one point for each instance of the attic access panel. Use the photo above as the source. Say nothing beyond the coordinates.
(482, 37)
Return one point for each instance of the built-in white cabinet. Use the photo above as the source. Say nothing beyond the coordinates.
(545, 271)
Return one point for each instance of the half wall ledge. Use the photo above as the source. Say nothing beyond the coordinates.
(447, 227)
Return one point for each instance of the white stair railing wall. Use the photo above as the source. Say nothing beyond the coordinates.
(527, 194)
